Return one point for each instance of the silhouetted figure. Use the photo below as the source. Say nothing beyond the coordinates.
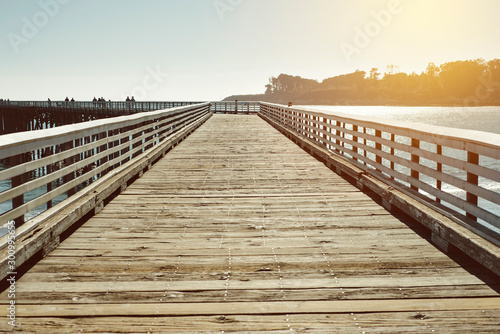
(128, 99)
(132, 99)
(94, 100)
(290, 104)
(72, 100)
(66, 99)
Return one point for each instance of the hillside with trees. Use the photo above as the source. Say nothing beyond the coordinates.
(460, 83)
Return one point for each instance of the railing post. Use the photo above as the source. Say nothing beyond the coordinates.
(355, 139)
(393, 139)
(472, 158)
(126, 149)
(304, 124)
(324, 135)
(344, 134)
(365, 153)
(15, 182)
(415, 143)
(103, 148)
(136, 144)
(329, 130)
(49, 169)
(378, 147)
(68, 162)
(439, 151)
(337, 135)
(310, 130)
(315, 126)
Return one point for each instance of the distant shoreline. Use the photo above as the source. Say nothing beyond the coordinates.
(376, 102)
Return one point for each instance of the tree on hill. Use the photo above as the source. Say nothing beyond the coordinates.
(285, 83)
(356, 79)
(448, 83)
(461, 78)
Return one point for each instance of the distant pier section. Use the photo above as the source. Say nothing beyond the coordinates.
(17, 116)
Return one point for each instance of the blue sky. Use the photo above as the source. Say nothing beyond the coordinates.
(209, 49)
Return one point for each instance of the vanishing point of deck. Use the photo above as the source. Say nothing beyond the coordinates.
(238, 229)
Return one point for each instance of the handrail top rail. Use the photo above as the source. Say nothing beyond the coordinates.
(23, 138)
(481, 138)
(239, 101)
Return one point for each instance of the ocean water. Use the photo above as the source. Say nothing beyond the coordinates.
(473, 118)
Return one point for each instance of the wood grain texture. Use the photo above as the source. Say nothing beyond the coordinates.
(239, 230)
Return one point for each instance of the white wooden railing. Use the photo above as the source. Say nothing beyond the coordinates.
(235, 107)
(454, 167)
(41, 168)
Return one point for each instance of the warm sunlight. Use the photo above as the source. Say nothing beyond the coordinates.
(250, 166)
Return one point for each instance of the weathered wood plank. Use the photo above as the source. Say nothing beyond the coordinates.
(316, 307)
(412, 322)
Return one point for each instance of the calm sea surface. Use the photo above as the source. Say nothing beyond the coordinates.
(478, 118)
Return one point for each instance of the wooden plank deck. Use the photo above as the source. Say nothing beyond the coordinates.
(239, 230)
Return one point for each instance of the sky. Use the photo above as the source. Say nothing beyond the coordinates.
(202, 50)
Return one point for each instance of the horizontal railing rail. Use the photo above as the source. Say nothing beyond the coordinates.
(235, 107)
(42, 168)
(455, 167)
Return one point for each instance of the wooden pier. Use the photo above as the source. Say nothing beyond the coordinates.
(237, 229)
